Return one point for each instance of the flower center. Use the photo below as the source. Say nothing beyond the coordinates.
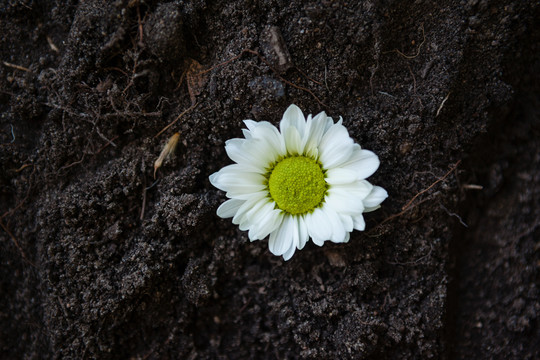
(297, 184)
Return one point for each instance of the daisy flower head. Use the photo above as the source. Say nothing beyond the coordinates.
(305, 180)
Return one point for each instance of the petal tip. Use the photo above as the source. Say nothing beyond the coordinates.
(213, 179)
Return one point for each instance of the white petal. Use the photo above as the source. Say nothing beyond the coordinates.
(336, 147)
(243, 192)
(359, 222)
(300, 237)
(289, 253)
(262, 146)
(329, 122)
(282, 238)
(344, 202)
(294, 117)
(264, 221)
(235, 142)
(370, 209)
(347, 222)
(295, 239)
(262, 152)
(269, 134)
(247, 134)
(228, 177)
(251, 201)
(247, 195)
(238, 182)
(248, 220)
(251, 124)
(229, 208)
(214, 179)
(360, 188)
(274, 221)
(235, 168)
(338, 231)
(293, 142)
(303, 235)
(260, 212)
(339, 176)
(314, 132)
(363, 162)
(318, 226)
(236, 150)
(265, 152)
(375, 197)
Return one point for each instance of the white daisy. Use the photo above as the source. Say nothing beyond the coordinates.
(306, 179)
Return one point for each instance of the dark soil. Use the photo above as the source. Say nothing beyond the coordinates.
(100, 261)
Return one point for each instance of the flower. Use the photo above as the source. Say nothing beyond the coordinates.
(306, 179)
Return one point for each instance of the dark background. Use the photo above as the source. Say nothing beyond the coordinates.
(99, 261)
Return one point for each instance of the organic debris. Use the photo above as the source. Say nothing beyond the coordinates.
(167, 149)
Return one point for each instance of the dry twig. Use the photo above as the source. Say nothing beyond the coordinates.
(442, 104)
(20, 204)
(177, 118)
(409, 205)
(418, 50)
(14, 239)
(430, 186)
(14, 66)
(454, 215)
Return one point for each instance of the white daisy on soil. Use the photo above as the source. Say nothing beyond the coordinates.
(305, 180)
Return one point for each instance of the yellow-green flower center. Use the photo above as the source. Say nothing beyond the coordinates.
(297, 184)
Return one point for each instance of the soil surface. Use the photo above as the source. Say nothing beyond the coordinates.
(99, 260)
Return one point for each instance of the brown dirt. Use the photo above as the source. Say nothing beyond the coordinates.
(100, 261)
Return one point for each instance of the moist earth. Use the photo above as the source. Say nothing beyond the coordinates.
(99, 259)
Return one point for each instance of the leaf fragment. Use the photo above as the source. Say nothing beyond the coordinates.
(167, 149)
(196, 79)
